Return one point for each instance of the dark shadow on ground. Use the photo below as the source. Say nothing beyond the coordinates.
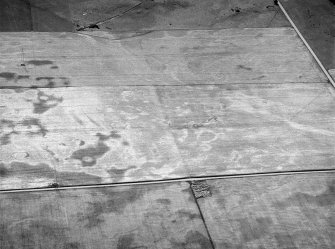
(315, 19)
(15, 15)
(35, 15)
(51, 15)
(71, 15)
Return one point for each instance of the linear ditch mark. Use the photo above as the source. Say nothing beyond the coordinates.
(195, 198)
(57, 186)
